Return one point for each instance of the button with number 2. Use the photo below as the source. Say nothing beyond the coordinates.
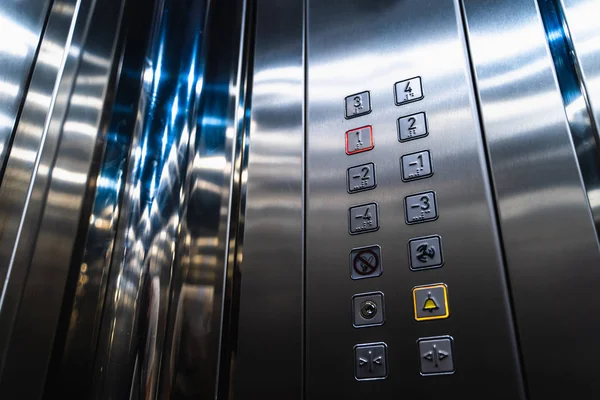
(408, 90)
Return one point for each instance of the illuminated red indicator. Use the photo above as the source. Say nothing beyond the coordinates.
(359, 140)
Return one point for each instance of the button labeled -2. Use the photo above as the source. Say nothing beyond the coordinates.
(361, 177)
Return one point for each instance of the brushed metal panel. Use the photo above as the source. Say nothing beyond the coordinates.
(268, 358)
(357, 46)
(20, 35)
(82, 38)
(547, 228)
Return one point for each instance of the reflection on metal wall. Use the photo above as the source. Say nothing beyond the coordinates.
(20, 34)
(46, 180)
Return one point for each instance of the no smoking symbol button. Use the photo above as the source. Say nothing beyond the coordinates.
(365, 262)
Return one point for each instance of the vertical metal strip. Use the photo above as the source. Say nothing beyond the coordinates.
(269, 342)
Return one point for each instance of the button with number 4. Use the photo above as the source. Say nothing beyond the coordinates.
(408, 90)
(420, 207)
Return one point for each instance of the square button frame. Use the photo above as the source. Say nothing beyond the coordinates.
(361, 114)
(431, 339)
(366, 230)
(435, 208)
(382, 311)
(350, 152)
(425, 287)
(379, 269)
(349, 190)
(411, 100)
(441, 251)
(420, 176)
(385, 352)
(412, 137)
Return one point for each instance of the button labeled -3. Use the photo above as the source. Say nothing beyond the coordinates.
(420, 207)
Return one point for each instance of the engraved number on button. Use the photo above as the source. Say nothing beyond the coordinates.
(359, 142)
(412, 122)
(365, 171)
(358, 102)
(424, 203)
(408, 89)
(367, 215)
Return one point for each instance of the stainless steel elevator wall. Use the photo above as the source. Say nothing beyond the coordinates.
(178, 205)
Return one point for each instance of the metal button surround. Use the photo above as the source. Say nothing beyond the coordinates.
(425, 252)
(370, 361)
(358, 104)
(359, 140)
(361, 178)
(431, 302)
(366, 262)
(363, 218)
(408, 90)
(416, 166)
(436, 355)
(420, 207)
(368, 309)
(412, 127)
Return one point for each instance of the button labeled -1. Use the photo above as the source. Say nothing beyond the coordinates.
(416, 166)
(421, 207)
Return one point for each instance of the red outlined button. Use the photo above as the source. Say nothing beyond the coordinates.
(359, 140)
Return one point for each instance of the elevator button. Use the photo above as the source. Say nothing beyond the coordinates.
(367, 309)
(370, 361)
(358, 104)
(421, 207)
(425, 252)
(359, 140)
(436, 356)
(365, 262)
(363, 218)
(408, 90)
(416, 166)
(361, 177)
(430, 302)
(412, 127)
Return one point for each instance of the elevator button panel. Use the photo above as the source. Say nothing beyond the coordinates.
(362, 177)
(365, 262)
(412, 127)
(431, 302)
(421, 207)
(359, 140)
(408, 90)
(363, 218)
(436, 355)
(358, 104)
(370, 361)
(416, 166)
(425, 252)
(368, 310)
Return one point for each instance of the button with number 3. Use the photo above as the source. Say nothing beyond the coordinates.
(358, 104)
(408, 90)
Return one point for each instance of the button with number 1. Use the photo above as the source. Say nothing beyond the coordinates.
(408, 90)
(359, 140)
